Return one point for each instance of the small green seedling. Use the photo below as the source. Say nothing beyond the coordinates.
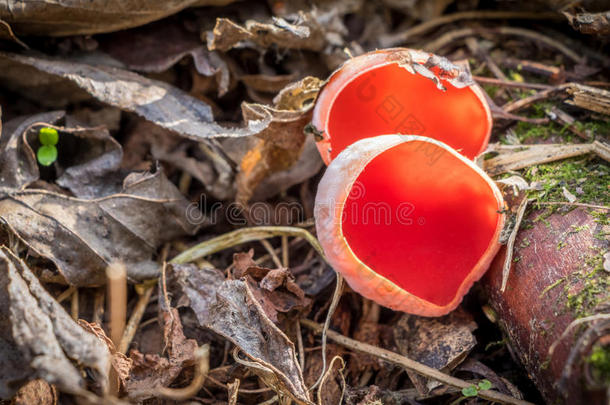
(473, 391)
(47, 152)
(48, 136)
(46, 155)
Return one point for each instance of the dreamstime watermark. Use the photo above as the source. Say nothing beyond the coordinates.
(389, 109)
(356, 210)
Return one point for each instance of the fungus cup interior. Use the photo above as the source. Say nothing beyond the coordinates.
(422, 217)
(384, 98)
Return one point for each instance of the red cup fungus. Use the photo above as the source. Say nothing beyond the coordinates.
(401, 91)
(408, 221)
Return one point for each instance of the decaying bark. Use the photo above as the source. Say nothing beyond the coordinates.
(557, 277)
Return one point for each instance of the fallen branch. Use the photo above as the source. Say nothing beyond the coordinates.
(530, 155)
(590, 98)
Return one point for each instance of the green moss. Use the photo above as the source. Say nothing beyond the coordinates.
(599, 359)
(595, 129)
(601, 217)
(525, 243)
(585, 177)
(594, 289)
(497, 343)
(551, 286)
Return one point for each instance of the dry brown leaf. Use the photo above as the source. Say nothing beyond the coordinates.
(37, 392)
(280, 144)
(231, 309)
(238, 317)
(75, 17)
(151, 371)
(158, 102)
(39, 339)
(121, 363)
(304, 33)
(82, 237)
(442, 343)
(193, 287)
(233, 391)
(275, 290)
(150, 142)
(88, 173)
(159, 46)
(18, 165)
(590, 23)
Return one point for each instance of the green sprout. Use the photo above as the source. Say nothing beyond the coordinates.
(473, 390)
(47, 152)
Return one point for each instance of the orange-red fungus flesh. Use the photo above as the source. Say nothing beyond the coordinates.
(421, 218)
(401, 91)
(408, 221)
(390, 100)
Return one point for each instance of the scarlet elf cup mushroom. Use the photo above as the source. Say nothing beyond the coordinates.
(409, 221)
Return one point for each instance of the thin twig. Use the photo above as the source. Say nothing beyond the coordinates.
(271, 251)
(466, 15)
(9, 32)
(451, 36)
(574, 324)
(244, 235)
(511, 83)
(240, 390)
(413, 365)
(575, 204)
(117, 300)
(300, 344)
(98, 305)
(473, 46)
(116, 274)
(511, 243)
(331, 310)
(64, 295)
(285, 252)
(327, 375)
(136, 318)
(74, 305)
(541, 95)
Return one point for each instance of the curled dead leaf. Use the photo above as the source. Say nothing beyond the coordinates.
(39, 339)
(82, 237)
(74, 17)
(158, 102)
(281, 143)
(121, 363)
(151, 371)
(231, 309)
(304, 33)
(36, 392)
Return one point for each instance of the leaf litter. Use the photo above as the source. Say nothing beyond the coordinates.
(205, 108)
